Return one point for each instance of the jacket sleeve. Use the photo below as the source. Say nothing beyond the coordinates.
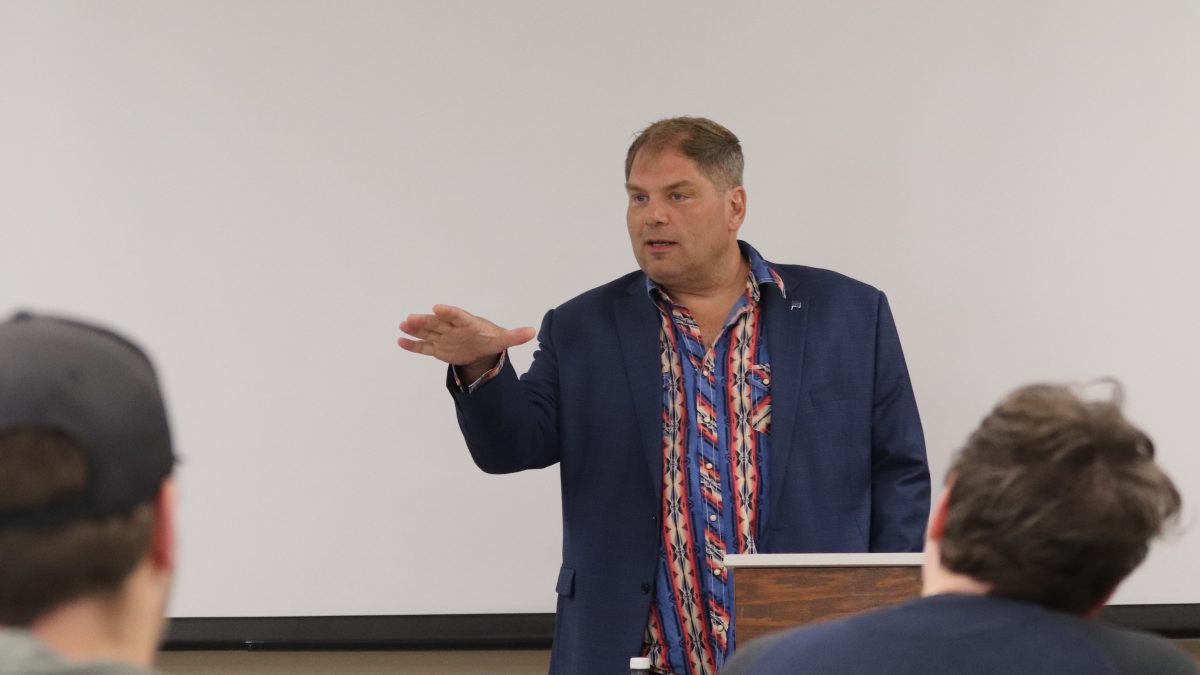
(511, 424)
(899, 470)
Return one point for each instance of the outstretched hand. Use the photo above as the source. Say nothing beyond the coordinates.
(457, 337)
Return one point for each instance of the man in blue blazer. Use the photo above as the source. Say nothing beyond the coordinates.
(1052, 502)
(710, 403)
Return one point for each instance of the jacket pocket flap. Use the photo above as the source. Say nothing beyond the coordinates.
(566, 581)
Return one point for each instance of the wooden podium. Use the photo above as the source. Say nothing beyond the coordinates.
(775, 591)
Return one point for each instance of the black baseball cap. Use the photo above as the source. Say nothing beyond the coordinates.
(98, 389)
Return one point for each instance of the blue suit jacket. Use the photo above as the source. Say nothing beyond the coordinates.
(847, 461)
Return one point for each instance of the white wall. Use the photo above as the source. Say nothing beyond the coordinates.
(260, 191)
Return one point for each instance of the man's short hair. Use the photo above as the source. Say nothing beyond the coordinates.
(1055, 499)
(43, 568)
(714, 149)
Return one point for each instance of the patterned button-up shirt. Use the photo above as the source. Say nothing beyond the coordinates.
(716, 422)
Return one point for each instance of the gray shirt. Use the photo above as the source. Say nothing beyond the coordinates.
(23, 654)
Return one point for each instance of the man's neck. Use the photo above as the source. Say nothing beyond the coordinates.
(725, 281)
(957, 584)
(101, 629)
(937, 580)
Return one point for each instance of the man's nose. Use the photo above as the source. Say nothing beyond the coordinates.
(656, 212)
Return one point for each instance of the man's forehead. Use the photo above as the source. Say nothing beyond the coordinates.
(667, 167)
(670, 155)
(684, 184)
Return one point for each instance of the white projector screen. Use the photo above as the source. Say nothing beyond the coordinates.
(260, 191)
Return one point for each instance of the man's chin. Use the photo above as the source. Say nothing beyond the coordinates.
(665, 273)
(660, 274)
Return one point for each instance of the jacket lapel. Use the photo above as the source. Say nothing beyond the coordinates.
(638, 328)
(786, 322)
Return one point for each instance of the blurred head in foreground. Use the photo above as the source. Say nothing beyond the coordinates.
(1051, 503)
(86, 497)
(1053, 500)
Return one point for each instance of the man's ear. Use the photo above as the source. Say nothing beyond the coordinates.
(162, 546)
(937, 516)
(736, 207)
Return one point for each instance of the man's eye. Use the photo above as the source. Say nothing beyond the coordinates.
(678, 196)
(638, 199)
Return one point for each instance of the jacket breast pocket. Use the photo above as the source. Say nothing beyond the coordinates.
(566, 582)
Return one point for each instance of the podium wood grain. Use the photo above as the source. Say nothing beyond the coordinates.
(770, 599)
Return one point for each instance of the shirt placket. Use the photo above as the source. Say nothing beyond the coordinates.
(712, 495)
(701, 424)
(709, 403)
(708, 394)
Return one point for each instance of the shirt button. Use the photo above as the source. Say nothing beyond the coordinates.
(708, 465)
(717, 572)
(766, 380)
(712, 518)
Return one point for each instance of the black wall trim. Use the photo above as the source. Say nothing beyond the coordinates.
(432, 631)
(498, 631)
(1172, 621)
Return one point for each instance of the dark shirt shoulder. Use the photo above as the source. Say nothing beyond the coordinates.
(1136, 652)
(835, 290)
(815, 280)
(965, 634)
(816, 276)
(794, 276)
(621, 286)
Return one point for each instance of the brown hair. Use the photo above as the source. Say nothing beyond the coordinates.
(1054, 499)
(41, 569)
(714, 149)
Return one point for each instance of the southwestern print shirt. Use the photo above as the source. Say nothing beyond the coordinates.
(716, 423)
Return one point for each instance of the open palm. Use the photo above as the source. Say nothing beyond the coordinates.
(457, 337)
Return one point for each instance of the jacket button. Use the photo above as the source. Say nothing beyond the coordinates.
(645, 588)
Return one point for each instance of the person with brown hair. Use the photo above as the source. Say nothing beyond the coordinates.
(1053, 501)
(709, 403)
(86, 501)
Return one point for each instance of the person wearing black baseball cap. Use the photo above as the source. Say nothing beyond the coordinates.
(86, 500)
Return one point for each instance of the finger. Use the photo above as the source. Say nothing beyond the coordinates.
(518, 336)
(416, 346)
(419, 333)
(455, 315)
(422, 321)
(420, 324)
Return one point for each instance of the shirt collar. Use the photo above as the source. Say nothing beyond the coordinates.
(760, 270)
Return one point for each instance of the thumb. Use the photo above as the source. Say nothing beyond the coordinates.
(518, 336)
